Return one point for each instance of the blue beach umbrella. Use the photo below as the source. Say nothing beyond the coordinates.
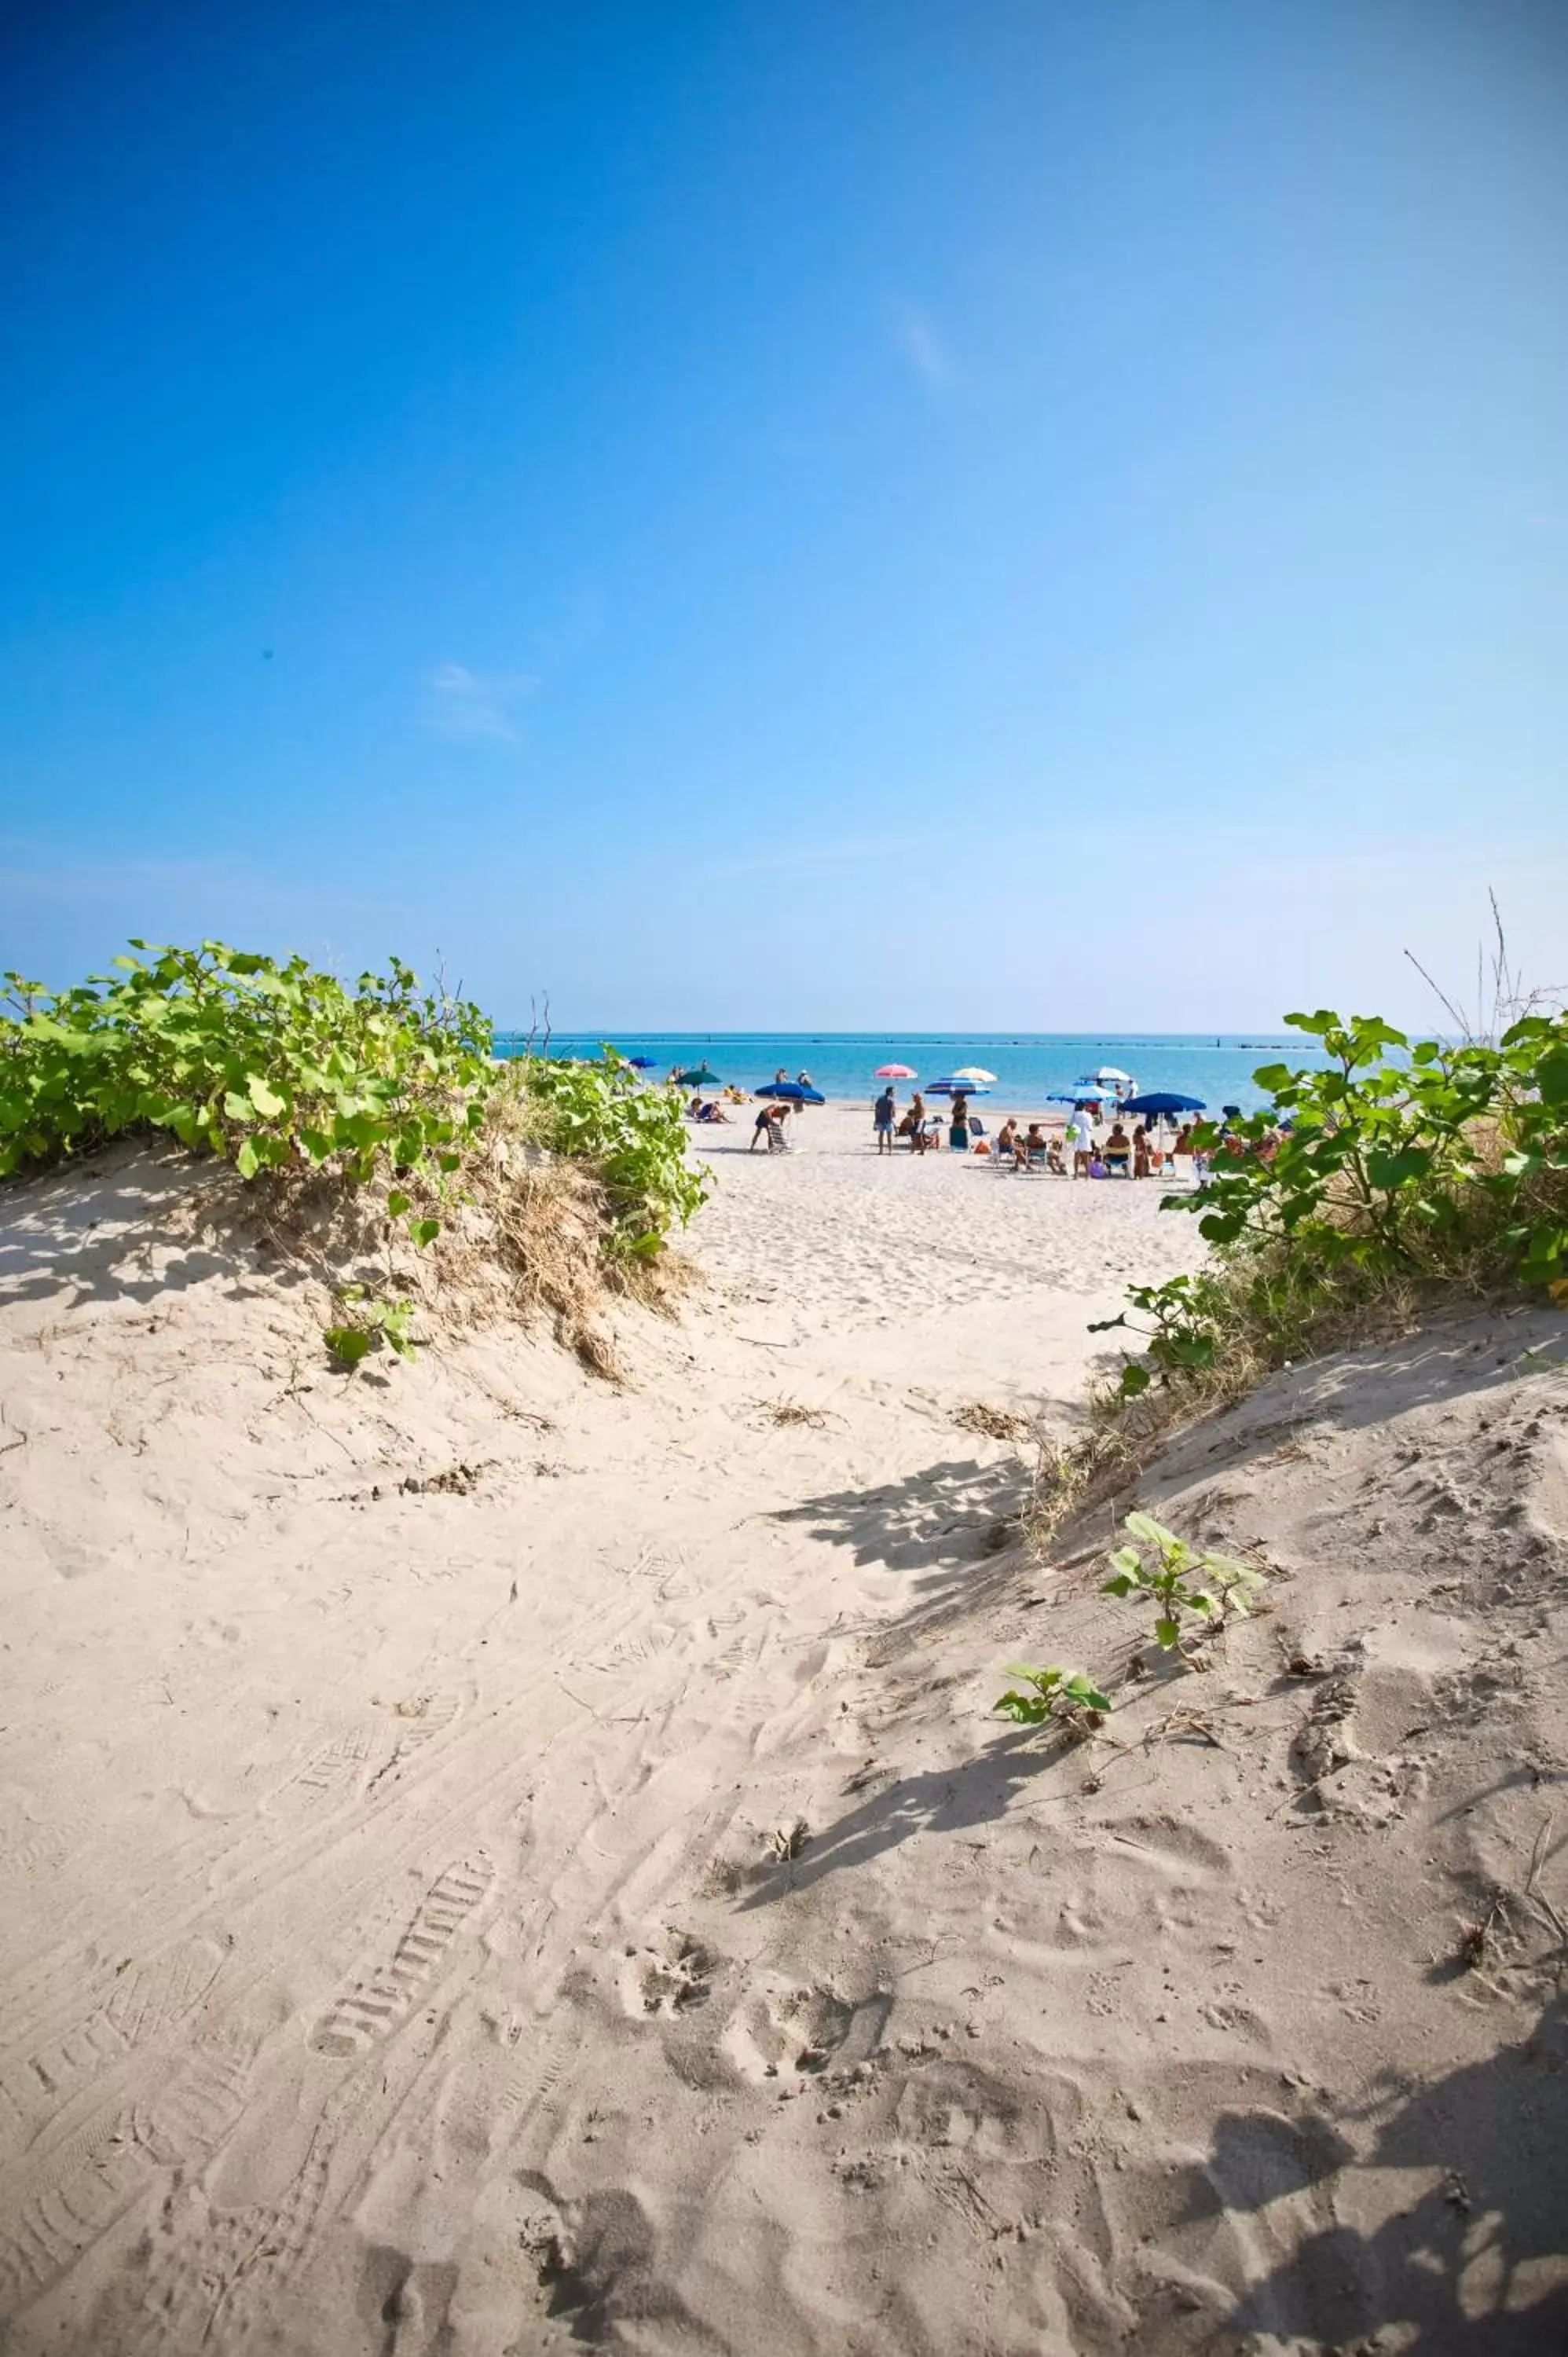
(1158, 1103)
(953, 1087)
(790, 1092)
(642, 1063)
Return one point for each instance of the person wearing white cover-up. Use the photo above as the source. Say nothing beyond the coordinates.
(1080, 1136)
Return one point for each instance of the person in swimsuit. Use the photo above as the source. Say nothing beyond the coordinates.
(958, 1125)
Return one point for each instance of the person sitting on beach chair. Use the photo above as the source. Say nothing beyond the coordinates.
(1054, 1162)
(1118, 1150)
(1007, 1144)
(1032, 1148)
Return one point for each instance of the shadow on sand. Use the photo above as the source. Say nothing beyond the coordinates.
(1473, 2264)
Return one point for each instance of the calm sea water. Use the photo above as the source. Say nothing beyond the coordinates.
(1029, 1065)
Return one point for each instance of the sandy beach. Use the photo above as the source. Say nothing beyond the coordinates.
(494, 1863)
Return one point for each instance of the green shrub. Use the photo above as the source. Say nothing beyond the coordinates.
(279, 1067)
(269, 1065)
(634, 1137)
(1403, 1171)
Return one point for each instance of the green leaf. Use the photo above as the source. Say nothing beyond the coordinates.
(1166, 1632)
(1133, 1379)
(1083, 1689)
(1144, 1526)
(247, 1162)
(265, 1099)
(1389, 1170)
(349, 1343)
(1122, 1584)
(1552, 1078)
(397, 1204)
(423, 1231)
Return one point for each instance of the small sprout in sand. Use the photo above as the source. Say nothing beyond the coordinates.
(789, 1841)
(365, 1323)
(1065, 1697)
(1172, 1583)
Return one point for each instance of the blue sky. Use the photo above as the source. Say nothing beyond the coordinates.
(764, 514)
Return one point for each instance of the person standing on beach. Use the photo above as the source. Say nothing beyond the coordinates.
(958, 1128)
(1079, 1136)
(884, 1114)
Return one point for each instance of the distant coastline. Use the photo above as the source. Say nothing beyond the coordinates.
(1030, 1067)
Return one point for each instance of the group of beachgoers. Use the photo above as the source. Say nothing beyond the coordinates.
(1080, 1151)
(1077, 1153)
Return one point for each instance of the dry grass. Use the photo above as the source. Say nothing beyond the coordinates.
(1271, 1313)
(522, 1238)
(786, 1412)
(994, 1422)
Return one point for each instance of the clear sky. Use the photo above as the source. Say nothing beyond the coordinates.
(747, 513)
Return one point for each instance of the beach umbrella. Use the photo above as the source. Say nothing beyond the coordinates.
(897, 1072)
(1110, 1072)
(976, 1072)
(790, 1092)
(1232, 1112)
(698, 1077)
(1072, 1097)
(642, 1063)
(1158, 1102)
(955, 1087)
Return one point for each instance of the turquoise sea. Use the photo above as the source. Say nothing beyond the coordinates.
(1029, 1065)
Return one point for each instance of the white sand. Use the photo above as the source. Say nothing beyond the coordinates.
(394, 1954)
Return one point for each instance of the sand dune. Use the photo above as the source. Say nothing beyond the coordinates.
(492, 1863)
